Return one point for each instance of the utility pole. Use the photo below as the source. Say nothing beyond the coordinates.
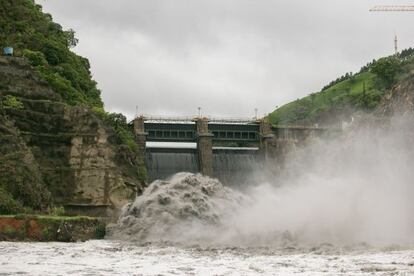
(255, 113)
(199, 112)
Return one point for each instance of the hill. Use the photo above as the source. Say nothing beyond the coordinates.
(348, 95)
(34, 35)
(58, 147)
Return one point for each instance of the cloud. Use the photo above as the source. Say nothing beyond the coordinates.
(229, 57)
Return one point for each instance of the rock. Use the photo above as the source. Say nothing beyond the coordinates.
(67, 149)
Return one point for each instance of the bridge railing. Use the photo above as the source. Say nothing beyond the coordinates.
(190, 119)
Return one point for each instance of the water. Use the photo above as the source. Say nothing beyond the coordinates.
(236, 167)
(233, 167)
(164, 163)
(120, 258)
(186, 208)
(340, 207)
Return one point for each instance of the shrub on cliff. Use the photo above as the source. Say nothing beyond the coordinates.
(7, 204)
(118, 122)
(35, 58)
(10, 101)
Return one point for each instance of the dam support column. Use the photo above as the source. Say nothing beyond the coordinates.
(266, 139)
(204, 147)
(141, 140)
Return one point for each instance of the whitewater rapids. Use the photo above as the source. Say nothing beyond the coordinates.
(121, 258)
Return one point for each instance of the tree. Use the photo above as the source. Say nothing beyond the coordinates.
(387, 69)
(72, 41)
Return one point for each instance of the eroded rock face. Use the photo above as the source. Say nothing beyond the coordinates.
(72, 148)
(400, 99)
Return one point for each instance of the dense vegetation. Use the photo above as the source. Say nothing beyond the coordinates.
(34, 35)
(347, 94)
(47, 47)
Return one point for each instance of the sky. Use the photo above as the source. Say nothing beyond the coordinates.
(229, 57)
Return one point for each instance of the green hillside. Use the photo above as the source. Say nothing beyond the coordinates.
(348, 94)
(56, 140)
(33, 34)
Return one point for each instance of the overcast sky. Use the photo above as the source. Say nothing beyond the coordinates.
(169, 57)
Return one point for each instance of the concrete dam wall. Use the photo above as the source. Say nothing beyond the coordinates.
(232, 166)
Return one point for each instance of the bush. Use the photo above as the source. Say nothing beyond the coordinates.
(100, 231)
(387, 69)
(8, 205)
(118, 122)
(35, 58)
(57, 211)
(12, 102)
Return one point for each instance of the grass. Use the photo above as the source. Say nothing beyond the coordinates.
(48, 217)
(52, 228)
(348, 93)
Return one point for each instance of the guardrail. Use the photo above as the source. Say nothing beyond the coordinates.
(190, 119)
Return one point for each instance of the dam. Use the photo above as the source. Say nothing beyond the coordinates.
(228, 149)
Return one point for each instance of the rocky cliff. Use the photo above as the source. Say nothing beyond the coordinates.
(54, 153)
(400, 99)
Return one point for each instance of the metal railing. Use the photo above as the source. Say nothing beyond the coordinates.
(192, 119)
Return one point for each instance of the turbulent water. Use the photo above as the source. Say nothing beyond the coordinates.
(121, 258)
(186, 208)
(339, 207)
(355, 189)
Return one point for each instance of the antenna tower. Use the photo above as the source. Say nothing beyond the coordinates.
(393, 8)
(396, 44)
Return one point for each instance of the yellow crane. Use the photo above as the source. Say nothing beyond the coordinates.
(392, 8)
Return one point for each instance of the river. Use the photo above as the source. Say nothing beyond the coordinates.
(104, 257)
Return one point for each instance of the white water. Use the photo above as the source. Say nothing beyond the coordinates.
(343, 207)
(356, 189)
(116, 258)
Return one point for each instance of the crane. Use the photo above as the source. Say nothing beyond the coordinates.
(393, 8)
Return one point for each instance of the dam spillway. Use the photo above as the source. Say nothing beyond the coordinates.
(164, 162)
(228, 149)
(232, 166)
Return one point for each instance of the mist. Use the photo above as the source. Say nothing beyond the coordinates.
(354, 189)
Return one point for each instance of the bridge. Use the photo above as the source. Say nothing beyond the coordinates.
(185, 130)
(210, 133)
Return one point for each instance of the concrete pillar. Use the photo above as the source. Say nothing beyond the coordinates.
(266, 138)
(141, 140)
(139, 131)
(204, 147)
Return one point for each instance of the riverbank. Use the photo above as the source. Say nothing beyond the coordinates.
(50, 228)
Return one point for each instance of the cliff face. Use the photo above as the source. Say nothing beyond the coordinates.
(400, 99)
(65, 150)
